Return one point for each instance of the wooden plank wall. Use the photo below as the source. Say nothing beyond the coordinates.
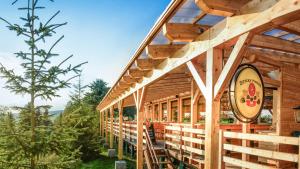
(290, 99)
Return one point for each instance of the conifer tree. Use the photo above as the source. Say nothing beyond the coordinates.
(38, 144)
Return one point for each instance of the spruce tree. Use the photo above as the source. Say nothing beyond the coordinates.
(80, 115)
(39, 145)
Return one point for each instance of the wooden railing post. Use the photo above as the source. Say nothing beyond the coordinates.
(111, 140)
(299, 153)
(221, 164)
(106, 126)
(120, 143)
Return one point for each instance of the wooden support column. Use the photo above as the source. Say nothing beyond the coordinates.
(106, 126)
(120, 143)
(101, 123)
(169, 114)
(180, 110)
(111, 142)
(216, 82)
(160, 113)
(195, 95)
(139, 97)
(245, 129)
(212, 116)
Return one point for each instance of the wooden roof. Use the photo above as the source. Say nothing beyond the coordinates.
(188, 28)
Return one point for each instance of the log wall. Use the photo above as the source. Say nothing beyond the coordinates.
(290, 98)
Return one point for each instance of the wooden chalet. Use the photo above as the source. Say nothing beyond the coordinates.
(178, 82)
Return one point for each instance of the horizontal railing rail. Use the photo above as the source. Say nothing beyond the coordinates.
(227, 148)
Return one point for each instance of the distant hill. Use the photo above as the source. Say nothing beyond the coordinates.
(55, 113)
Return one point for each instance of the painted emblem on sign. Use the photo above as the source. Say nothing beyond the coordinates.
(246, 93)
(250, 97)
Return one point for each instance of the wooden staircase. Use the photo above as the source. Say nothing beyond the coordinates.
(155, 157)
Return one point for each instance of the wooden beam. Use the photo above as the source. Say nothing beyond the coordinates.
(270, 42)
(231, 65)
(182, 32)
(226, 30)
(129, 79)
(139, 96)
(120, 143)
(111, 141)
(277, 56)
(199, 17)
(263, 59)
(212, 108)
(289, 30)
(271, 82)
(162, 51)
(197, 78)
(202, 4)
(147, 64)
(137, 73)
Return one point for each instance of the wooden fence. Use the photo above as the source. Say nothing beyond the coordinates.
(249, 155)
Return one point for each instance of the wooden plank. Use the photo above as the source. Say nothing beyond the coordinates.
(265, 138)
(147, 64)
(202, 4)
(162, 51)
(181, 32)
(262, 153)
(231, 65)
(193, 140)
(269, 42)
(278, 56)
(272, 82)
(197, 77)
(137, 73)
(193, 130)
(245, 164)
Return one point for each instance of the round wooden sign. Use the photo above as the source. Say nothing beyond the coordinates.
(246, 92)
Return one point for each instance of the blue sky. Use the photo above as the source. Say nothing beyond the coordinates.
(103, 32)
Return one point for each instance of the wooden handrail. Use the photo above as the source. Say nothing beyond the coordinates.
(150, 147)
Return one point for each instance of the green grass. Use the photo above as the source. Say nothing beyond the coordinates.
(107, 163)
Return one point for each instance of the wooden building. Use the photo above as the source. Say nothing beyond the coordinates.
(178, 79)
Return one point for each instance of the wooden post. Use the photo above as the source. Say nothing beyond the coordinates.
(100, 123)
(160, 114)
(245, 129)
(194, 110)
(103, 123)
(139, 97)
(221, 164)
(153, 112)
(111, 142)
(120, 144)
(212, 116)
(106, 126)
(299, 153)
(169, 114)
(180, 110)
